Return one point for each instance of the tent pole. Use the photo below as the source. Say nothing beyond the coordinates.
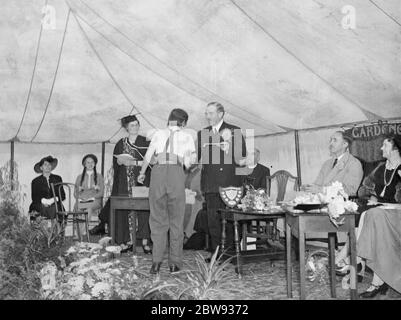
(103, 153)
(102, 166)
(297, 156)
(12, 164)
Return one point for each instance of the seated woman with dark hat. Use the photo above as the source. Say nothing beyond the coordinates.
(42, 194)
(125, 176)
(89, 186)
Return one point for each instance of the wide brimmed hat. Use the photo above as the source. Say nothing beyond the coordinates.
(50, 159)
(90, 155)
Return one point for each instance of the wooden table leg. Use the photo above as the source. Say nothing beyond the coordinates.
(332, 238)
(353, 274)
(289, 265)
(301, 238)
(237, 248)
(112, 231)
(244, 232)
(133, 232)
(223, 232)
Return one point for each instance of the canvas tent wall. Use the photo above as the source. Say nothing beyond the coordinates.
(69, 69)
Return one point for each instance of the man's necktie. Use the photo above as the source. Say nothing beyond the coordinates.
(334, 163)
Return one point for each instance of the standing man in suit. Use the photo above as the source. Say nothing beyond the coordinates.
(221, 150)
(342, 167)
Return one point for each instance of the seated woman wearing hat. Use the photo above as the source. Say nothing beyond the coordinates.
(42, 194)
(89, 186)
(125, 176)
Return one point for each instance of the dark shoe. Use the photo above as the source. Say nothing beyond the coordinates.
(146, 249)
(97, 230)
(127, 249)
(378, 289)
(155, 267)
(174, 269)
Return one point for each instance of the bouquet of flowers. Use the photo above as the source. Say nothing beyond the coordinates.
(338, 203)
(255, 200)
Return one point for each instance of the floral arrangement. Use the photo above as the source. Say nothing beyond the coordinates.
(334, 197)
(92, 274)
(337, 202)
(255, 200)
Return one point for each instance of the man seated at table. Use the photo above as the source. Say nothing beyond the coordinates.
(342, 167)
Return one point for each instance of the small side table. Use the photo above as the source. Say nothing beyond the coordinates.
(239, 217)
(297, 224)
(126, 203)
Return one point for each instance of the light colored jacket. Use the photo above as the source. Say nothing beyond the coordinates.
(348, 171)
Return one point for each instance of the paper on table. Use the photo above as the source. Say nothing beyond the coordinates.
(124, 156)
(140, 192)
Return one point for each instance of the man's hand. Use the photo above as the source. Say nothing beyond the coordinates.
(141, 178)
(311, 188)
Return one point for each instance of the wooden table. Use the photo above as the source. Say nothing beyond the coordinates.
(126, 203)
(298, 223)
(241, 217)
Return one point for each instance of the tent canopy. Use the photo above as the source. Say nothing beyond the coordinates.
(275, 65)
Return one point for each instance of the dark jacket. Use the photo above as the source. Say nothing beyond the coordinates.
(40, 189)
(120, 182)
(257, 176)
(222, 171)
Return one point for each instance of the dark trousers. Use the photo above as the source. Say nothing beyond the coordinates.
(213, 203)
(167, 211)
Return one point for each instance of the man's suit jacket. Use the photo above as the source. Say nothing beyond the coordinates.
(40, 189)
(222, 173)
(348, 171)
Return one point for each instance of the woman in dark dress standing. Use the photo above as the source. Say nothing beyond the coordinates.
(126, 172)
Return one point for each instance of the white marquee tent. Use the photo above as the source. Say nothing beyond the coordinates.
(69, 69)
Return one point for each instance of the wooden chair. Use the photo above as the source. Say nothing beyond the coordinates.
(71, 214)
(281, 177)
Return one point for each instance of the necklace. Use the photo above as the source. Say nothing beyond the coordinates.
(386, 184)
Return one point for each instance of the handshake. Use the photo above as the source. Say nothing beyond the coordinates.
(48, 202)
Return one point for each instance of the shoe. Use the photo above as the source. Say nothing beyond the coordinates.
(359, 279)
(97, 230)
(146, 249)
(174, 269)
(155, 267)
(343, 271)
(377, 289)
(129, 248)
